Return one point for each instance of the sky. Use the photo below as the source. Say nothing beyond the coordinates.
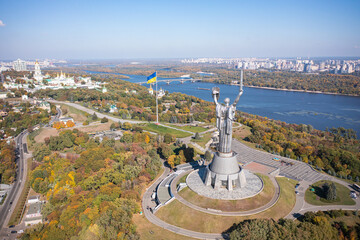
(86, 29)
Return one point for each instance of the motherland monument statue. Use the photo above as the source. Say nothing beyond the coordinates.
(224, 170)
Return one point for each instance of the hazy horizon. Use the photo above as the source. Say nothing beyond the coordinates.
(187, 29)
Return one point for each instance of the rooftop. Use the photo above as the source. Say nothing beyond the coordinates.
(34, 197)
(34, 208)
(66, 119)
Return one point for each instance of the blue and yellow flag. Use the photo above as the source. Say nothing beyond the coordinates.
(152, 78)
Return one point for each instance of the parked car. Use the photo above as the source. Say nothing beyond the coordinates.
(353, 195)
(297, 185)
(13, 231)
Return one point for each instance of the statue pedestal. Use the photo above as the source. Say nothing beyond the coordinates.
(224, 171)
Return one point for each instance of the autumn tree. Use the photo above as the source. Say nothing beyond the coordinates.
(70, 124)
(207, 156)
(40, 151)
(171, 161)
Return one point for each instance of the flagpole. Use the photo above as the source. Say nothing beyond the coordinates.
(157, 110)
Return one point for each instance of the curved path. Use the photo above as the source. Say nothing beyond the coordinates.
(303, 172)
(299, 171)
(6, 210)
(268, 205)
(301, 206)
(146, 202)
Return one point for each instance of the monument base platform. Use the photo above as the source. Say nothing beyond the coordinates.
(253, 186)
(224, 171)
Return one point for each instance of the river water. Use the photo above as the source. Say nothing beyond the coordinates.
(319, 110)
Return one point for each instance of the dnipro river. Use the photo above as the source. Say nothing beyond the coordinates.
(319, 110)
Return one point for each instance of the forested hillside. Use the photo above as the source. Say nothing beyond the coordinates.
(336, 151)
(321, 225)
(93, 192)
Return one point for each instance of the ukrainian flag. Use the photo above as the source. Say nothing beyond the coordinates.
(152, 78)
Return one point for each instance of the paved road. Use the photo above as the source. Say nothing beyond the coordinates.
(146, 203)
(100, 115)
(300, 171)
(301, 206)
(13, 196)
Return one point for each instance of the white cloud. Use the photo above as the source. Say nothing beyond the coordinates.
(2, 24)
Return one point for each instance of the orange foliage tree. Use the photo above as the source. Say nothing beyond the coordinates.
(70, 124)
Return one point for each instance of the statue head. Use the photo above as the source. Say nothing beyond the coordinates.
(227, 101)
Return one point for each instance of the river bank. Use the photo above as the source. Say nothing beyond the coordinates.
(321, 110)
(304, 91)
(291, 90)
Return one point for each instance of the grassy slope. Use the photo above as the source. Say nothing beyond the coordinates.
(204, 139)
(162, 130)
(316, 198)
(180, 215)
(149, 231)
(240, 205)
(193, 129)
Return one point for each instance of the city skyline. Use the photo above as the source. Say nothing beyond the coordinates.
(115, 30)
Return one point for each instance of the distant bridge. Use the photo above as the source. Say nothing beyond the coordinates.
(181, 80)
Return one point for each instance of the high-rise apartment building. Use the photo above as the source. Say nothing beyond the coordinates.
(19, 65)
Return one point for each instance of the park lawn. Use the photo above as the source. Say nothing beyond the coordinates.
(286, 201)
(151, 127)
(31, 138)
(232, 205)
(149, 231)
(317, 198)
(182, 180)
(45, 132)
(183, 216)
(76, 114)
(194, 129)
(241, 132)
(204, 139)
(96, 127)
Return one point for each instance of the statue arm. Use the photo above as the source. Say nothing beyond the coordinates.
(240, 90)
(215, 94)
(215, 100)
(238, 97)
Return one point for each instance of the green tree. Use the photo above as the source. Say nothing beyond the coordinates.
(168, 138)
(104, 120)
(40, 151)
(166, 151)
(127, 126)
(207, 156)
(197, 136)
(331, 192)
(127, 138)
